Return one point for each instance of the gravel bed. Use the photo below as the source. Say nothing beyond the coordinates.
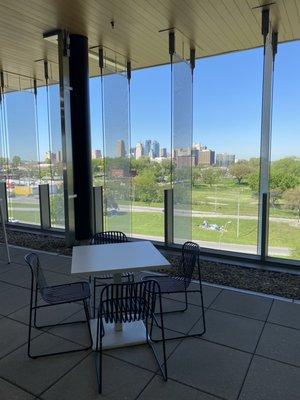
(257, 280)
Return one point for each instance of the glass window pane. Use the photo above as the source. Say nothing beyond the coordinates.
(117, 153)
(284, 185)
(150, 149)
(96, 131)
(182, 131)
(23, 177)
(227, 126)
(53, 157)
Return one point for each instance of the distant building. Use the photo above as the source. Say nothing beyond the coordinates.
(195, 154)
(183, 157)
(132, 152)
(96, 154)
(59, 156)
(155, 149)
(206, 157)
(49, 156)
(117, 173)
(163, 152)
(224, 160)
(120, 149)
(147, 148)
(139, 151)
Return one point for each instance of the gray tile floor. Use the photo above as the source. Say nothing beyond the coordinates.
(251, 350)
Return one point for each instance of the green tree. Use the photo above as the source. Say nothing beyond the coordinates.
(289, 165)
(292, 200)
(282, 180)
(16, 161)
(240, 170)
(210, 176)
(145, 187)
(57, 209)
(279, 183)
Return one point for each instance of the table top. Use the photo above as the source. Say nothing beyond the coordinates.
(116, 258)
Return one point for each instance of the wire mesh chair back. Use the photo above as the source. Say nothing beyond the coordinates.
(188, 262)
(128, 302)
(109, 237)
(33, 261)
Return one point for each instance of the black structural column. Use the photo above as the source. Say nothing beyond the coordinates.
(81, 136)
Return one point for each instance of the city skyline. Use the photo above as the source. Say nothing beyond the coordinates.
(223, 118)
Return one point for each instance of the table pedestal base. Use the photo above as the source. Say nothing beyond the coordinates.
(132, 334)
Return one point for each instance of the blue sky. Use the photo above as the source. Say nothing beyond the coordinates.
(227, 106)
(227, 103)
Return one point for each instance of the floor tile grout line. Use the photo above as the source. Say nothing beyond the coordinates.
(283, 326)
(42, 332)
(214, 300)
(275, 360)
(237, 315)
(257, 343)
(197, 389)
(65, 373)
(19, 347)
(145, 387)
(17, 386)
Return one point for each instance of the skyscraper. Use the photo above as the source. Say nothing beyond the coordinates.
(96, 154)
(225, 159)
(139, 150)
(206, 157)
(120, 151)
(163, 152)
(155, 149)
(147, 148)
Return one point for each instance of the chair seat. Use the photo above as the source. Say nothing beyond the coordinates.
(168, 284)
(110, 276)
(66, 293)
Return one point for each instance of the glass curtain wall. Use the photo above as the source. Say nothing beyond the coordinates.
(227, 126)
(150, 149)
(96, 131)
(284, 184)
(53, 157)
(182, 140)
(22, 155)
(116, 130)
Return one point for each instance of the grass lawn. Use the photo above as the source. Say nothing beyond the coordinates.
(280, 235)
(152, 224)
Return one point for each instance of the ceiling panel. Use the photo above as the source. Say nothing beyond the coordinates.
(214, 26)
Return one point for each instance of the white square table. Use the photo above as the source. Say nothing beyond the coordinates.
(116, 259)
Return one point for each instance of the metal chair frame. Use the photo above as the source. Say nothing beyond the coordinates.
(108, 237)
(189, 261)
(129, 302)
(38, 284)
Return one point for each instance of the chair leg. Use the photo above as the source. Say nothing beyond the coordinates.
(98, 353)
(87, 314)
(94, 298)
(163, 365)
(53, 325)
(186, 305)
(30, 326)
(179, 309)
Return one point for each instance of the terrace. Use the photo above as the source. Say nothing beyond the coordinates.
(250, 350)
(170, 123)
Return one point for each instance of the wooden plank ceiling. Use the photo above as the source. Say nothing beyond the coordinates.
(214, 26)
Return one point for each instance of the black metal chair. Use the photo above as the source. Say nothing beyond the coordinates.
(52, 296)
(129, 302)
(108, 237)
(180, 282)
